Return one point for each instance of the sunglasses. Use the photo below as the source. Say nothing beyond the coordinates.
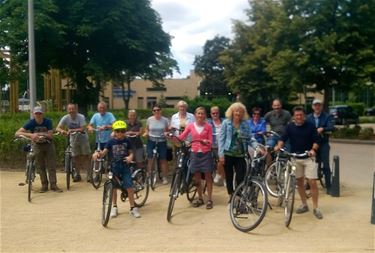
(156, 110)
(256, 113)
(120, 131)
(214, 113)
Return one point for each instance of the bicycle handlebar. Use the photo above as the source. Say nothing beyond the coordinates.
(295, 155)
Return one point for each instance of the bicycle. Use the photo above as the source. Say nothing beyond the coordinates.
(140, 187)
(99, 166)
(182, 179)
(68, 158)
(155, 172)
(249, 201)
(30, 163)
(289, 189)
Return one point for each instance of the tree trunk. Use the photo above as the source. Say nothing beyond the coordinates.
(327, 95)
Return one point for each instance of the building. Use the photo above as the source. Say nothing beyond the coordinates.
(144, 95)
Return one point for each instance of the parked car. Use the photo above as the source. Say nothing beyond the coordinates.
(344, 115)
(370, 111)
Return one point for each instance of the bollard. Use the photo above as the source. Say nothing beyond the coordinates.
(373, 201)
(335, 187)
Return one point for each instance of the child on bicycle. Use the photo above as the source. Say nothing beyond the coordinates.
(120, 153)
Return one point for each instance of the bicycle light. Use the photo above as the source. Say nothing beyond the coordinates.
(110, 175)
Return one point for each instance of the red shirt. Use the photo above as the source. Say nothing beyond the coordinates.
(206, 134)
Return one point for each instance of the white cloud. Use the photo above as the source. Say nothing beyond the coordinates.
(191, 23)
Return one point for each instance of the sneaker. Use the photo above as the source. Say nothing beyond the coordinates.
(165, 180)
(217, 179)
(135, 212)
(114, 212)
(302, 209)
(55, 188)
(318, 214)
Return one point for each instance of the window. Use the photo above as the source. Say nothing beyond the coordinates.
(151, 101)
(140, 103)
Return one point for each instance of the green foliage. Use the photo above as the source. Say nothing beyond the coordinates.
(367, 119)
(366, 133)
(356, 132)
(359, 108)
(211, 69)
(288, 44)
(222, 103)
(347, 132)
(91, 41)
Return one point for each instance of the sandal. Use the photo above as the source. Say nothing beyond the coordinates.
(209, 204)
(198, 203)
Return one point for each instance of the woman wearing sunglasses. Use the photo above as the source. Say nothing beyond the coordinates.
(156, 126)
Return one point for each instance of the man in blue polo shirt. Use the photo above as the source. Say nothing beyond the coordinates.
(303, 136)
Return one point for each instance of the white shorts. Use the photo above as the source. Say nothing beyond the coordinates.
(306, 167)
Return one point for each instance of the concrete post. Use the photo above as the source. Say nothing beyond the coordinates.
(335, 188)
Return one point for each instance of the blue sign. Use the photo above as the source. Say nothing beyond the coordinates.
(117, 92)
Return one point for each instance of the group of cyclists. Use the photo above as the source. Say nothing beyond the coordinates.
(212, 138)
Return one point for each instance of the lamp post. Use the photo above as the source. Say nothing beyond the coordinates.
(32, 78)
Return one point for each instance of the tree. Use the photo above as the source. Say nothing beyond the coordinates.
(290, 44)
(211, 69)
(92, 41)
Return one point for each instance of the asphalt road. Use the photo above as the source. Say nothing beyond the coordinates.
(70, 221)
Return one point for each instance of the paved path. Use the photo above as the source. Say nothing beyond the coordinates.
(70, 221)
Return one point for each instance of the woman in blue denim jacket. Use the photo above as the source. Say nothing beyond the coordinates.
(231, 147)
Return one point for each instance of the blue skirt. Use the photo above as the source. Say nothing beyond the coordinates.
(201, 162)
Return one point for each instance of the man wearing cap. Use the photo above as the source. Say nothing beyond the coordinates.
(39, 130)
(324, 124)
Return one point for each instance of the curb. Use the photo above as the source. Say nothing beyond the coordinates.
(352, 141)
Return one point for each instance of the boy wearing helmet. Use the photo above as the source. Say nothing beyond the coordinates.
(120, 153)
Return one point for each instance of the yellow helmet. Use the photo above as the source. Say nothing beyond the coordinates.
(119, 124)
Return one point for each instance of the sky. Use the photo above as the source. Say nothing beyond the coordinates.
(192, 22)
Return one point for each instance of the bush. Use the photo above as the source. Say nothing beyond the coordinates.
(359, 108)
(347, 132)
(367, 119)
(366, 133)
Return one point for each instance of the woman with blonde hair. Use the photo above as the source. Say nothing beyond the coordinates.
(232, 145)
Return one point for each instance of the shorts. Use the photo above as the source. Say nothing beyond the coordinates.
(161, 147)
(81, 148)
(306, 167)
(122, 171)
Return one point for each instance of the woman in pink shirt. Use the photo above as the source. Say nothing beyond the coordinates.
(201, 160)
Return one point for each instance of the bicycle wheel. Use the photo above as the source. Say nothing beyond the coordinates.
(107, 202)
(321, 176)
(176, 182)
(96, 173)
(154, 172)
(274, 179)
(141, 188)
(68, 169)
(248, 205)
(30, 179)
(191, 189)
(290, 191)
